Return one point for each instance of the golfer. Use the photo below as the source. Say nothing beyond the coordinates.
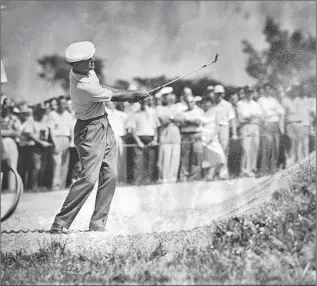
(93, 137)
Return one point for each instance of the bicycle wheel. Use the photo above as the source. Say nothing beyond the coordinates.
(10, 200)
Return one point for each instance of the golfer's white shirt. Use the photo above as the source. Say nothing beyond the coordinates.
(88, 96)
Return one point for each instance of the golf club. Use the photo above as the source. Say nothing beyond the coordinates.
(165, 84)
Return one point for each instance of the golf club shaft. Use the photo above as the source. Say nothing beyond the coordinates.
(176, 79)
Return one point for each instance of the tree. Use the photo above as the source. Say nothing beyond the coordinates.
(289, 57)
(55, 70)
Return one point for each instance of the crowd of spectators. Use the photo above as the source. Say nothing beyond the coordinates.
(254, 131)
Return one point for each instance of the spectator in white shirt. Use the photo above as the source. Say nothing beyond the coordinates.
(117, 119)
(249, 114)
(272, 111)
(226, 118)
(170, 141)
(182, 104)
(74, 164)
(62, 131)
(35, 137)
(191, 148)
(144, 124)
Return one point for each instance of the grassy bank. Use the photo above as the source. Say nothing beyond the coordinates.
(276, 245)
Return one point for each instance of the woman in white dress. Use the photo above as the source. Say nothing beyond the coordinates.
(213, 153)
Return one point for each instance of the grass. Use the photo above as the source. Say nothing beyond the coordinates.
(274, 246)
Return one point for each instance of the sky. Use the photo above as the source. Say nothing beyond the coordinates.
(140, 38)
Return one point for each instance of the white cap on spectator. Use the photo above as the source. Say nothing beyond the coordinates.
(26, 109)
(133, 86)
(158, 95)
(219, 89)
(198, 98)
(210, 87)
(166, 90)
(16, 110)
(188, 90)
(80, 51)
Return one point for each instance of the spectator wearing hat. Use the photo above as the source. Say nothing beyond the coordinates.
(191, 146)
(144, 124)
(10, 133)
(117, 119)
(250, 116)
(93, 137)
(62, 131)
(226, 118)
(169, 139)
(272, 111)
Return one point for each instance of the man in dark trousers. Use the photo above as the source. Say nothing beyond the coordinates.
(93, 137)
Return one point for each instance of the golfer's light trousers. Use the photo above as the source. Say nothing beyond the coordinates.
(96, 146)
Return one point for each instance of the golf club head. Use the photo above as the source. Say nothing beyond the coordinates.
(216, 58)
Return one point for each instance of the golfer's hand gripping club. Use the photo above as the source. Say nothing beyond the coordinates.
(138, 96)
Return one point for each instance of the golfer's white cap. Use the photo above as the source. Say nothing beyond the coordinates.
(219, 89)
(80, 51)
